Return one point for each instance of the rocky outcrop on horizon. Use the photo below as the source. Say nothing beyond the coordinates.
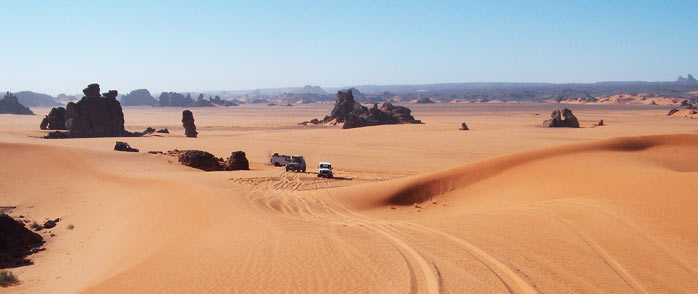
(33, 99)
(688, 79)
(174, 99)
(10, 105)
(354, 115)
(55, 120)
(562, 119)
(188, 123)
(424, 100)
(140, 97)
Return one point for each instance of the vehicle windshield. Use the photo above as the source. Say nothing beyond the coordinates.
(325, 166)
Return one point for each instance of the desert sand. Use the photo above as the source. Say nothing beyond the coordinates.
(507, 207)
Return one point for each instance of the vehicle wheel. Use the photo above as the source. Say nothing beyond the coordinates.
(330, 176)
(319, 176)
(287, 169)
(303, 171)
(277, 164)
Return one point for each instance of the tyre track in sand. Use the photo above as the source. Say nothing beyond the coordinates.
(610, 261)
(423, 273)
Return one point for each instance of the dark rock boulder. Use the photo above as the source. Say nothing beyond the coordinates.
(672, 111)
(16, 241)
(10, 105)
(95, 116)
(140, 97)
(51, 223)
(600, 123)
(188, 123)
(163, 131)
(123, 146)
(201, 160)
(237, 161)
(463, 127)
(562, 119)
(55, 120)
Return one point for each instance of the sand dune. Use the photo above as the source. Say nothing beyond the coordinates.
(573, 215)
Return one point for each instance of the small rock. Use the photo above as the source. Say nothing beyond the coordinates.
(123, 146)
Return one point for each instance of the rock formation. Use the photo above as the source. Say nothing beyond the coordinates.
(95, 116)
(463, 127)
(140, 97)
(201, 102)
(123, 146)
(201, 160)
(208, 162)
(424, 100)
(55, 120)
(687, 79)
(237, 161)
(672, 111)
(10, 104)
(188, 123)
(600, 123)
(556, 119)
(16, 241)
(163, 131)
(174, 99)
(354, 115)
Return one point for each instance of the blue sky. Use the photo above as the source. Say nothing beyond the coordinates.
(61, 46)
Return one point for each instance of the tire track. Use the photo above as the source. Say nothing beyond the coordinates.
(613, 263)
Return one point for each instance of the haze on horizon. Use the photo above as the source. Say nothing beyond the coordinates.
(59, 47)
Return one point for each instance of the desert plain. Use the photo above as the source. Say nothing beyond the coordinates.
(506, 207)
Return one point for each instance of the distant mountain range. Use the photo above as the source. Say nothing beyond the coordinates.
(681, 88)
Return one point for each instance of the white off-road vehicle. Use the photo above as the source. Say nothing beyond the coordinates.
(324, 170)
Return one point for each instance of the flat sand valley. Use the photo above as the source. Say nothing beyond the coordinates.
(507, 207)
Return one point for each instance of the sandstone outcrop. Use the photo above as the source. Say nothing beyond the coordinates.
(95, 116)
(237, 161)
(55, 120)
(354, 115)
(201, 160)
(188, 123)
(562, 119)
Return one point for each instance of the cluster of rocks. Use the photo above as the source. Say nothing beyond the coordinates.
(10, 105)
(16, 241)
(92, 116)
(354, 115)
(208, 162)
(562, 119)
(179, 100)
(140, 97)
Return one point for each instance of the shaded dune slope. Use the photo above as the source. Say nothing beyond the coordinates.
(418, 189)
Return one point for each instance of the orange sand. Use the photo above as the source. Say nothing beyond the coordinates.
(506, 207)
